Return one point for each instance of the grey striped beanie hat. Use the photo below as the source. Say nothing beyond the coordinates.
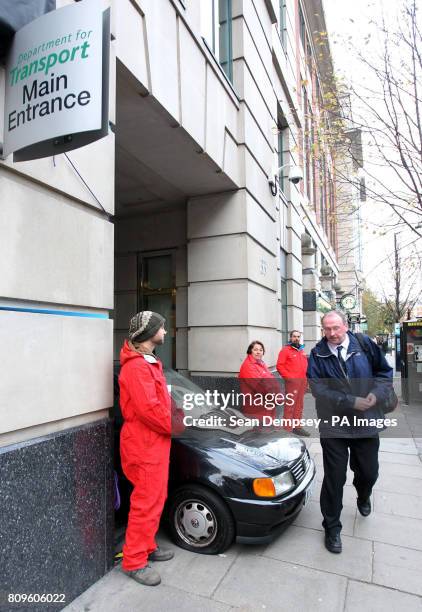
(145, 325)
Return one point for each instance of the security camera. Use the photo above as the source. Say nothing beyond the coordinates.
(295, 175)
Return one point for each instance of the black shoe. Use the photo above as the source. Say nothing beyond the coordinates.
(333, 542)
(364, 507)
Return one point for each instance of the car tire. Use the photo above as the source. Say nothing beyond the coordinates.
(200, 521)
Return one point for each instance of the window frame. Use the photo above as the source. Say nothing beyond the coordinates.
(215, 45)
(282, 149)
(283, 297)
(282, 30)
(302, 27)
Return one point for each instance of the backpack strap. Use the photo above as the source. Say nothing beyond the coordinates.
(365, 348)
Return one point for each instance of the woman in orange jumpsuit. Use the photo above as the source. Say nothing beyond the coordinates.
(257, 383)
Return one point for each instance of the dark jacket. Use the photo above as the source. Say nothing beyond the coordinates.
(335, 394)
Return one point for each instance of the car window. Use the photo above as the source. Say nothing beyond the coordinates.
(189, 397)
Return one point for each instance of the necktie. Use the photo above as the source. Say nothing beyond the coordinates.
(341, 360)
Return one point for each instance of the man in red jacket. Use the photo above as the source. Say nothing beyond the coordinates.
(292, 364)
(144, 443)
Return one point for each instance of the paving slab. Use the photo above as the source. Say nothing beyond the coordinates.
(199, 574)
(405, 446)
(314, 447)
(317, 457)
(415, 409)
(397, 567)
(373, 598)
(413, 421)
(399, 484)
(385, 457)
(306, 548)
(417, 432)
(398, 469)
(204, 572)
(263, 583)
(115, 592)
(397, 504)
(311, 517)
(389, 467)
(398, 530)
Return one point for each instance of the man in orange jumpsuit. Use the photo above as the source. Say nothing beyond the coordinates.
(292, 364)
(144, 443)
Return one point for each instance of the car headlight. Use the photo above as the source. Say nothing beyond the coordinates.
(283, 483)
(272, 487)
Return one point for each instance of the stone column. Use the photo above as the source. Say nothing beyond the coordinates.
(232, 282)
(311, 288)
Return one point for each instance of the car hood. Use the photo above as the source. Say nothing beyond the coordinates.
(263, 451)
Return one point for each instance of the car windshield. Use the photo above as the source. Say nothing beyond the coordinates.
(201, 408)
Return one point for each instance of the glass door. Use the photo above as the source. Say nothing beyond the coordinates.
(157, 292)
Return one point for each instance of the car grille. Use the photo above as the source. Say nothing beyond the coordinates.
(301, 467)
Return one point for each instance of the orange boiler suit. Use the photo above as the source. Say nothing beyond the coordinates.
(292, 364)
(145, 442)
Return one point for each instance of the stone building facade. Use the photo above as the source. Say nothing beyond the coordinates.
(172, 211)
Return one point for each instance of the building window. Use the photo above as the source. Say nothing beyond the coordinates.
(306, 142)
(157, 292)
(309, 56)
(216, 29)
(310, 154)
(332, 214)
(283, 292)
(282, 147)
(281, 157)
(318, 95)
(302, 28)
(283, 24)
(314, 165)
(322, 192)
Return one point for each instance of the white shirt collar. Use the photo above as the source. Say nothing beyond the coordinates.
(344, 344)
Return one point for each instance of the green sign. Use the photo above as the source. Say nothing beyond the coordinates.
(56, 96)
(323, 305)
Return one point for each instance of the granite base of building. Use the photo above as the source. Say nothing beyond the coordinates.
(56, 516)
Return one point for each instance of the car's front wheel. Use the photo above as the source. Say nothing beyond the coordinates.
(200, 520)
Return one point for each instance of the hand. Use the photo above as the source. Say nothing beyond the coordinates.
(362, 403)
(371, 397)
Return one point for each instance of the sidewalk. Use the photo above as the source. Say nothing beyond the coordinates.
(380, 567)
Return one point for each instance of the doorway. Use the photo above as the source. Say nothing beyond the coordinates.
(157, 292)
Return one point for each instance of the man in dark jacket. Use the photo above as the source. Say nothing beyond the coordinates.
(349, 385)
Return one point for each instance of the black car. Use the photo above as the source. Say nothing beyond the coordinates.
(229, 481)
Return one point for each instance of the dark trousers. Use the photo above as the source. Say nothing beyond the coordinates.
(363, 463)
